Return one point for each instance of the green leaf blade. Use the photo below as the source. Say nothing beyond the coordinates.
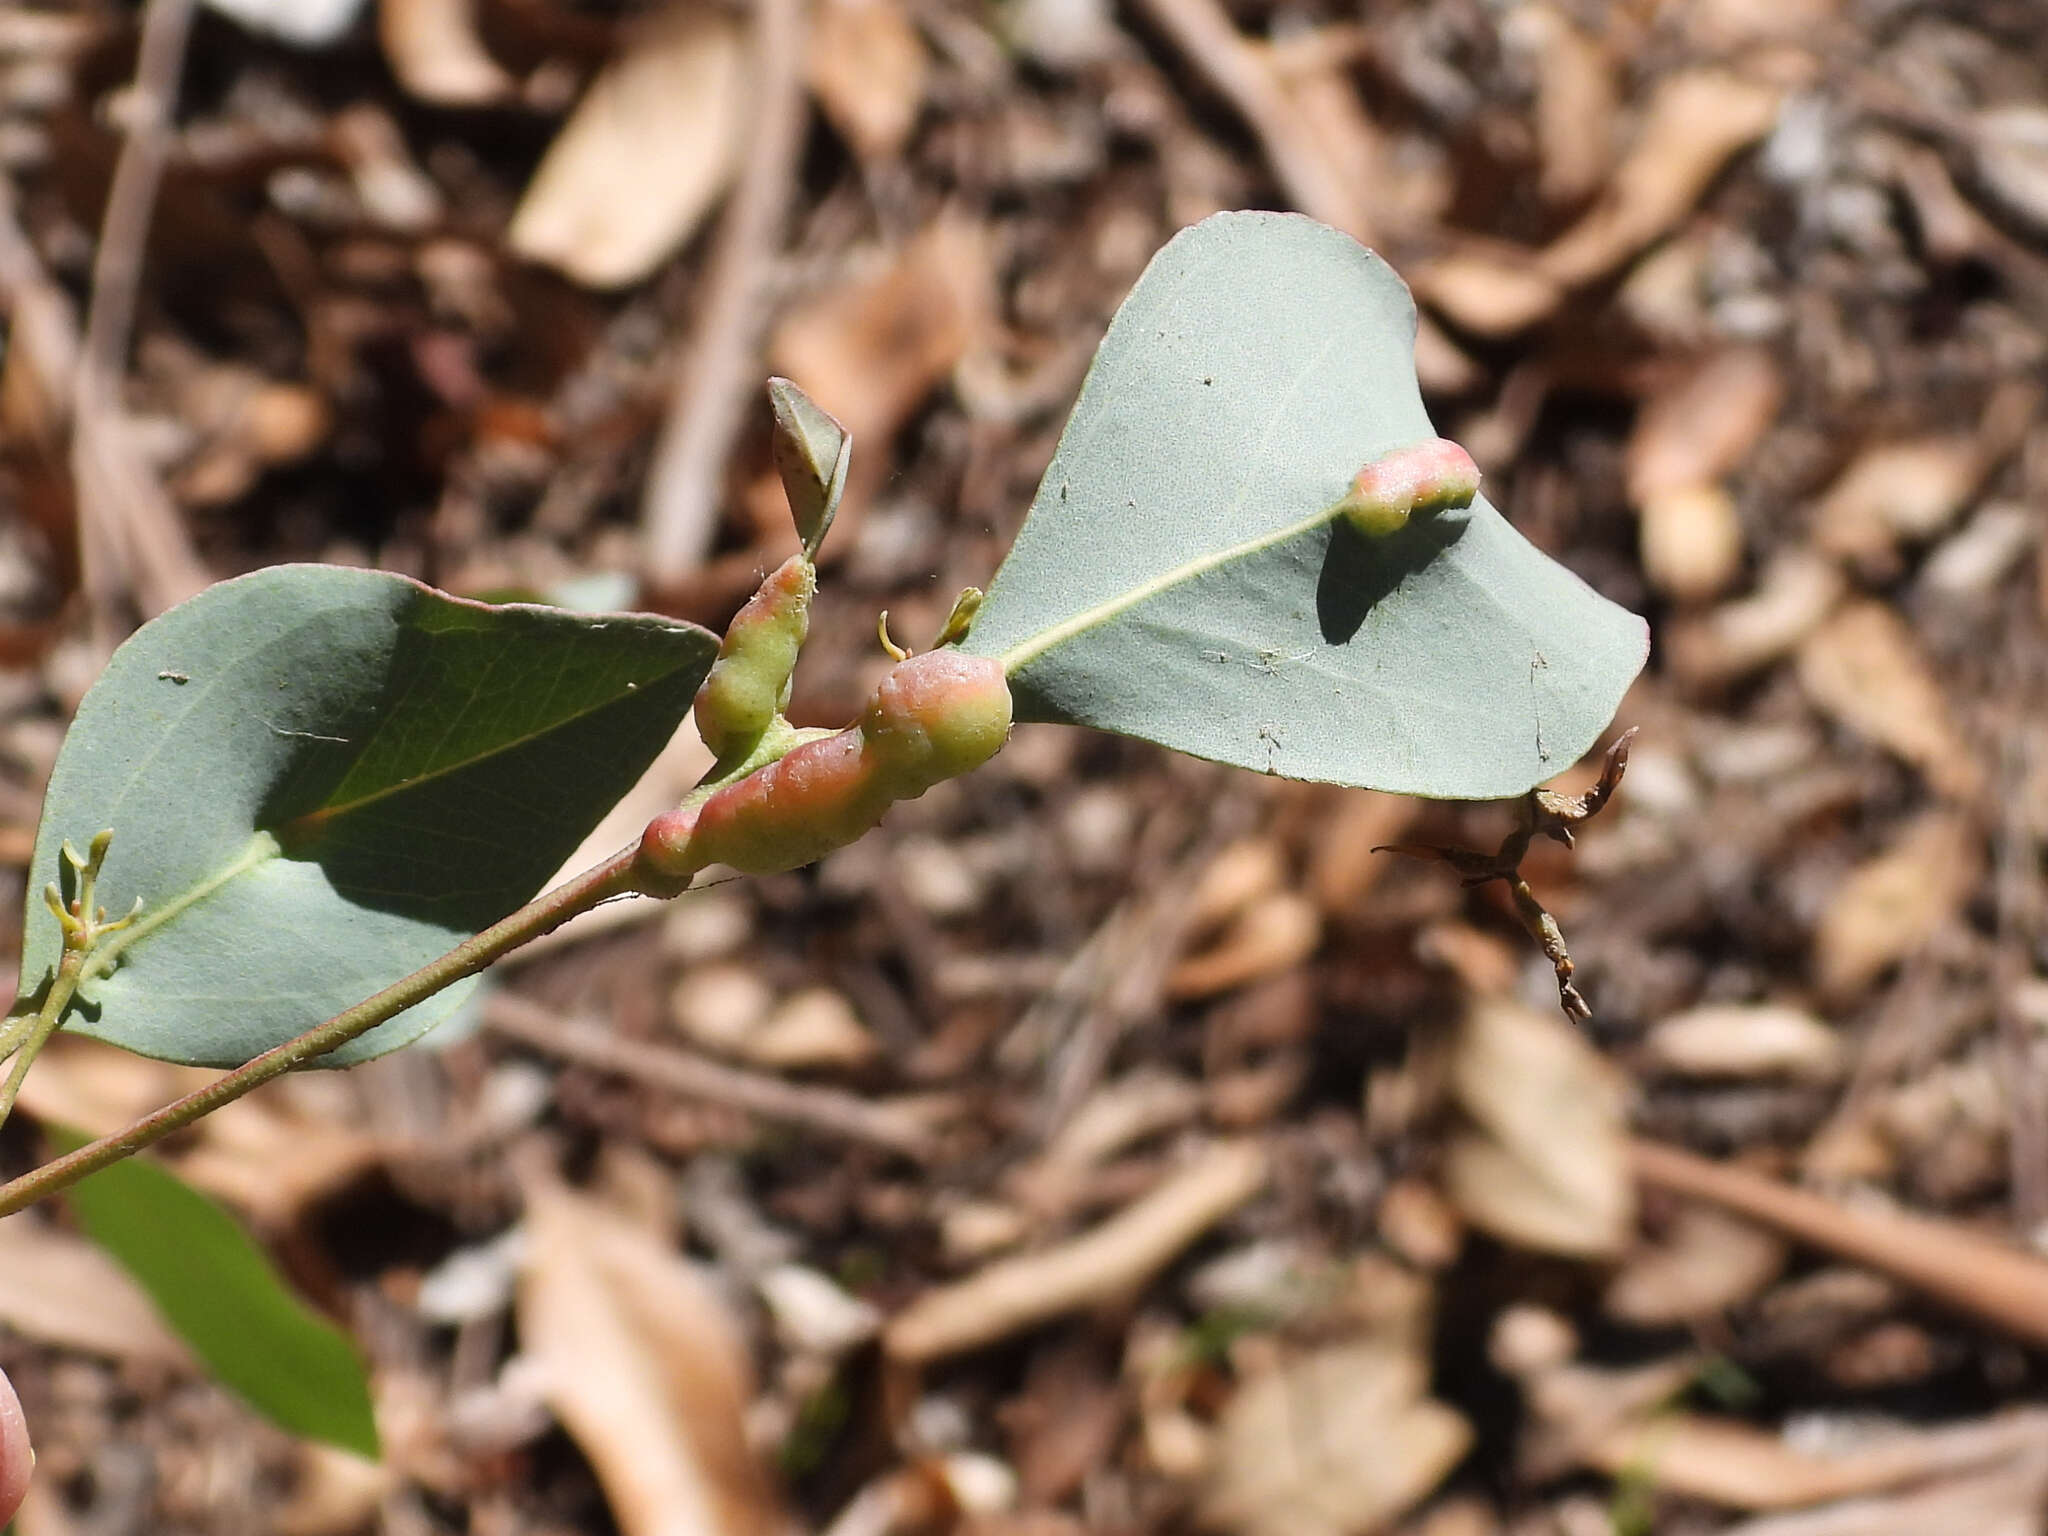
(1180, 578)
(319, 779)
(220, 1294)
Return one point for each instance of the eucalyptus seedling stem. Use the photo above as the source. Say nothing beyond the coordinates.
(616, 876)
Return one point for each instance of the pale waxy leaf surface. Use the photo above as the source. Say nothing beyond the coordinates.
(319, 779)
(1182, 578)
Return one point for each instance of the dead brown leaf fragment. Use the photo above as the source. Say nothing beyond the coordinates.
(871, 351)
(1544, 1163)
(645, 1370)
(59, 1288)
(1696, 121)
(1893, 492)
(1576, 100)
(1338, 1442)
(1892, 904)
(1864, 669)
(1703, 1263)
(434, 50)
(643, 156)
(1747, 1040)
(1702, 425)
(1793, 595)
(867, 66)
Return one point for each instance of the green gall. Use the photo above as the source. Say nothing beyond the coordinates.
(933, 717)
(1424, 478)
(937, 716)
(749, 682)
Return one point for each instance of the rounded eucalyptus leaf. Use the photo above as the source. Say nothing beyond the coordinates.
(1184, 576)
(319, 779)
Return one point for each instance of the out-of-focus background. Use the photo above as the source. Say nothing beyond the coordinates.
(1113, 1143)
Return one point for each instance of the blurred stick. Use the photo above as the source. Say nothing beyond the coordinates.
(1988, 1280)
(130, 539)
(2016, 901)
(1105, 1265)
(1243, 73)
(825, 1110)
(679, 515)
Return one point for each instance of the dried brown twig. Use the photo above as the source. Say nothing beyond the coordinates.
(1542, 813)
(680, 510)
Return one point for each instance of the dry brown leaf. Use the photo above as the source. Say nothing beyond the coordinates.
(58, 1288)
(1890, 905)
(1573, 1408)
(1746, 1040)
(1695, 123)
(1116, 1116)
(816, 1027)
(1485, 293)
(1239, 874)
(1342, 866)
(1894, 492)
(1792, 597)
(2011, 152)
(1576, 100)
(872, 351)
(1418, 1223)
(1545, 1164)
(1691, 541)
(433, 48)
(1332, 1444)
(648, 148)
(333, 1492)
(867, 65)
(1704, 1263)
(1704, 423)
(644, 1369)
(1865, 670)
(1271, 936)
(1723, 26)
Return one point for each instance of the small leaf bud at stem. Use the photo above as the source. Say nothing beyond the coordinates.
(961, 619)
(749, 682)
(1426, 478)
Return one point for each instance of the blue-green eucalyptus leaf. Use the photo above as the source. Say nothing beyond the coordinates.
(220, 1294)
(319, 779)
(1184, 576)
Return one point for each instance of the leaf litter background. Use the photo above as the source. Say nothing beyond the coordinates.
(1113, 1142)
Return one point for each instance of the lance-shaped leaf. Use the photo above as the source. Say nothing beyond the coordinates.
(1185, 576)
(319, 779)
(218, 1290)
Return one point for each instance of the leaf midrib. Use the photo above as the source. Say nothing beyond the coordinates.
(1027, 651)
(326, 815)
